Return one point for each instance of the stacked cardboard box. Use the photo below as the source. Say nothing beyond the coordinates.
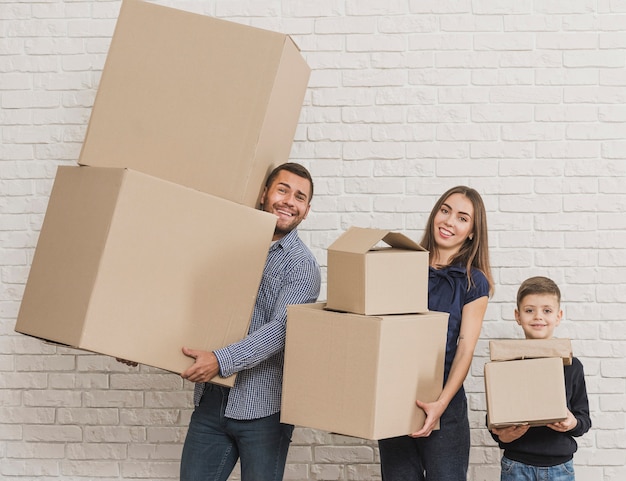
(154, 242)
(356, 364)
(524, 382)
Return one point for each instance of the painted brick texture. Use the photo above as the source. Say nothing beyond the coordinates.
(525, 101)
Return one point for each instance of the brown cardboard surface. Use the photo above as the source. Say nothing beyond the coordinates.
(528, 391)
(360, 375)
(196, 100)
(136, 267)
(367, 278)
(510, 349)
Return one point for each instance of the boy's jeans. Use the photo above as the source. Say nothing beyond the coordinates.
(514, 471)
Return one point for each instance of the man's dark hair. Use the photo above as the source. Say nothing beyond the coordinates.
(294, 168)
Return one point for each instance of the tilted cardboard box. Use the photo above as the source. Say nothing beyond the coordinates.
(136, 267)
(529, 391)
(196, 100)
(370, 280)
(360, 375)
(511, 349)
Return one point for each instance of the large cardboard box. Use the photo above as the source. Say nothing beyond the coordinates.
(199, 101)
(367, 277)
(136, 267)
(529, 391)
(360, 375)
(511, 349)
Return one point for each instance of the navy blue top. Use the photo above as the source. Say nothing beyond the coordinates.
(448, 292)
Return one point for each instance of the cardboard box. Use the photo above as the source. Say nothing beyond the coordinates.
(136, 267)
(530, 391)
(365, 278)
(360, 375)
(511, 349)
(196, 100)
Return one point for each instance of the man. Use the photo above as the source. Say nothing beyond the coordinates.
(244, 422)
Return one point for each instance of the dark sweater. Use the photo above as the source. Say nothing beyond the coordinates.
(542, 446)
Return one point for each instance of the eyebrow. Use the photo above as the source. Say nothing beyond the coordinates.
(460, 212)
(289, 187)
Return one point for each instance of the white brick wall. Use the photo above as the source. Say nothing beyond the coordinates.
(526, 101)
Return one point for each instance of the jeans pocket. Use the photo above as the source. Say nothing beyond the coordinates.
(568, 468)
(506, 465)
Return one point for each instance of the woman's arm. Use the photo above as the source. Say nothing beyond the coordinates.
(471, 323)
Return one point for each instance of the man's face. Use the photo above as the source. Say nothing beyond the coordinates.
(288, 198)
(539, 314)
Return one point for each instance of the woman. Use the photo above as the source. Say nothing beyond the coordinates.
(460, 283)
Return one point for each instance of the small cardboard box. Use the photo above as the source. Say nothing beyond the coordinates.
(511, 349)
(196, 100)
(364, 278)
(529, 391)
(360, 375)
(136, 267)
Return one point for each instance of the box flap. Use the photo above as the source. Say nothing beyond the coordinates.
(512, 349)
(359, 240)
(400, 241)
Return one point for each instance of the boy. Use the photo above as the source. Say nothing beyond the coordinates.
(544, 452)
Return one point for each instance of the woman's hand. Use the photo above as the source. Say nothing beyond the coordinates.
(433, 411)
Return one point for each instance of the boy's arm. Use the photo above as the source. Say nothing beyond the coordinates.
(578, 402)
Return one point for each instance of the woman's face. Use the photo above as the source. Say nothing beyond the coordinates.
(454, 223)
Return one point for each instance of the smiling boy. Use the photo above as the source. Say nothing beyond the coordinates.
(545, 453)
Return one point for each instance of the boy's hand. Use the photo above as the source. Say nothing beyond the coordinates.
(511, 433)
(567, 425)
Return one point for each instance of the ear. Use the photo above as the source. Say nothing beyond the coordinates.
(517, 317)
(306, 212)
(471, 236)
(263, 195)
(559, 316)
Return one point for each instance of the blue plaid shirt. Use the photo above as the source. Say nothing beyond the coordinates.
(291, 276)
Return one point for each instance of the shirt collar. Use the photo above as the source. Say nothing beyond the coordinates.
(287, 241)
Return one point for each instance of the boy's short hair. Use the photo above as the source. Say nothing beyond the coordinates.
(538, 285)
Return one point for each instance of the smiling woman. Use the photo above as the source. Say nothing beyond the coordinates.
(459, 283)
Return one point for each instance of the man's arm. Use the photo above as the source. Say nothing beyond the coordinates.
(301, 286)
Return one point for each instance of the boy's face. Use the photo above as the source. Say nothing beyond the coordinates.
(539, 314)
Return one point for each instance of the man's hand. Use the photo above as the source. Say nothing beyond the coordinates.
(204, 368)
(511, 433)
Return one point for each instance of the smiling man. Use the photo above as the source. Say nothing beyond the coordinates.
(243, 422)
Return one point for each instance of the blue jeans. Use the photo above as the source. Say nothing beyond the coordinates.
(514, 471)
(442, 456)
(214, 443)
